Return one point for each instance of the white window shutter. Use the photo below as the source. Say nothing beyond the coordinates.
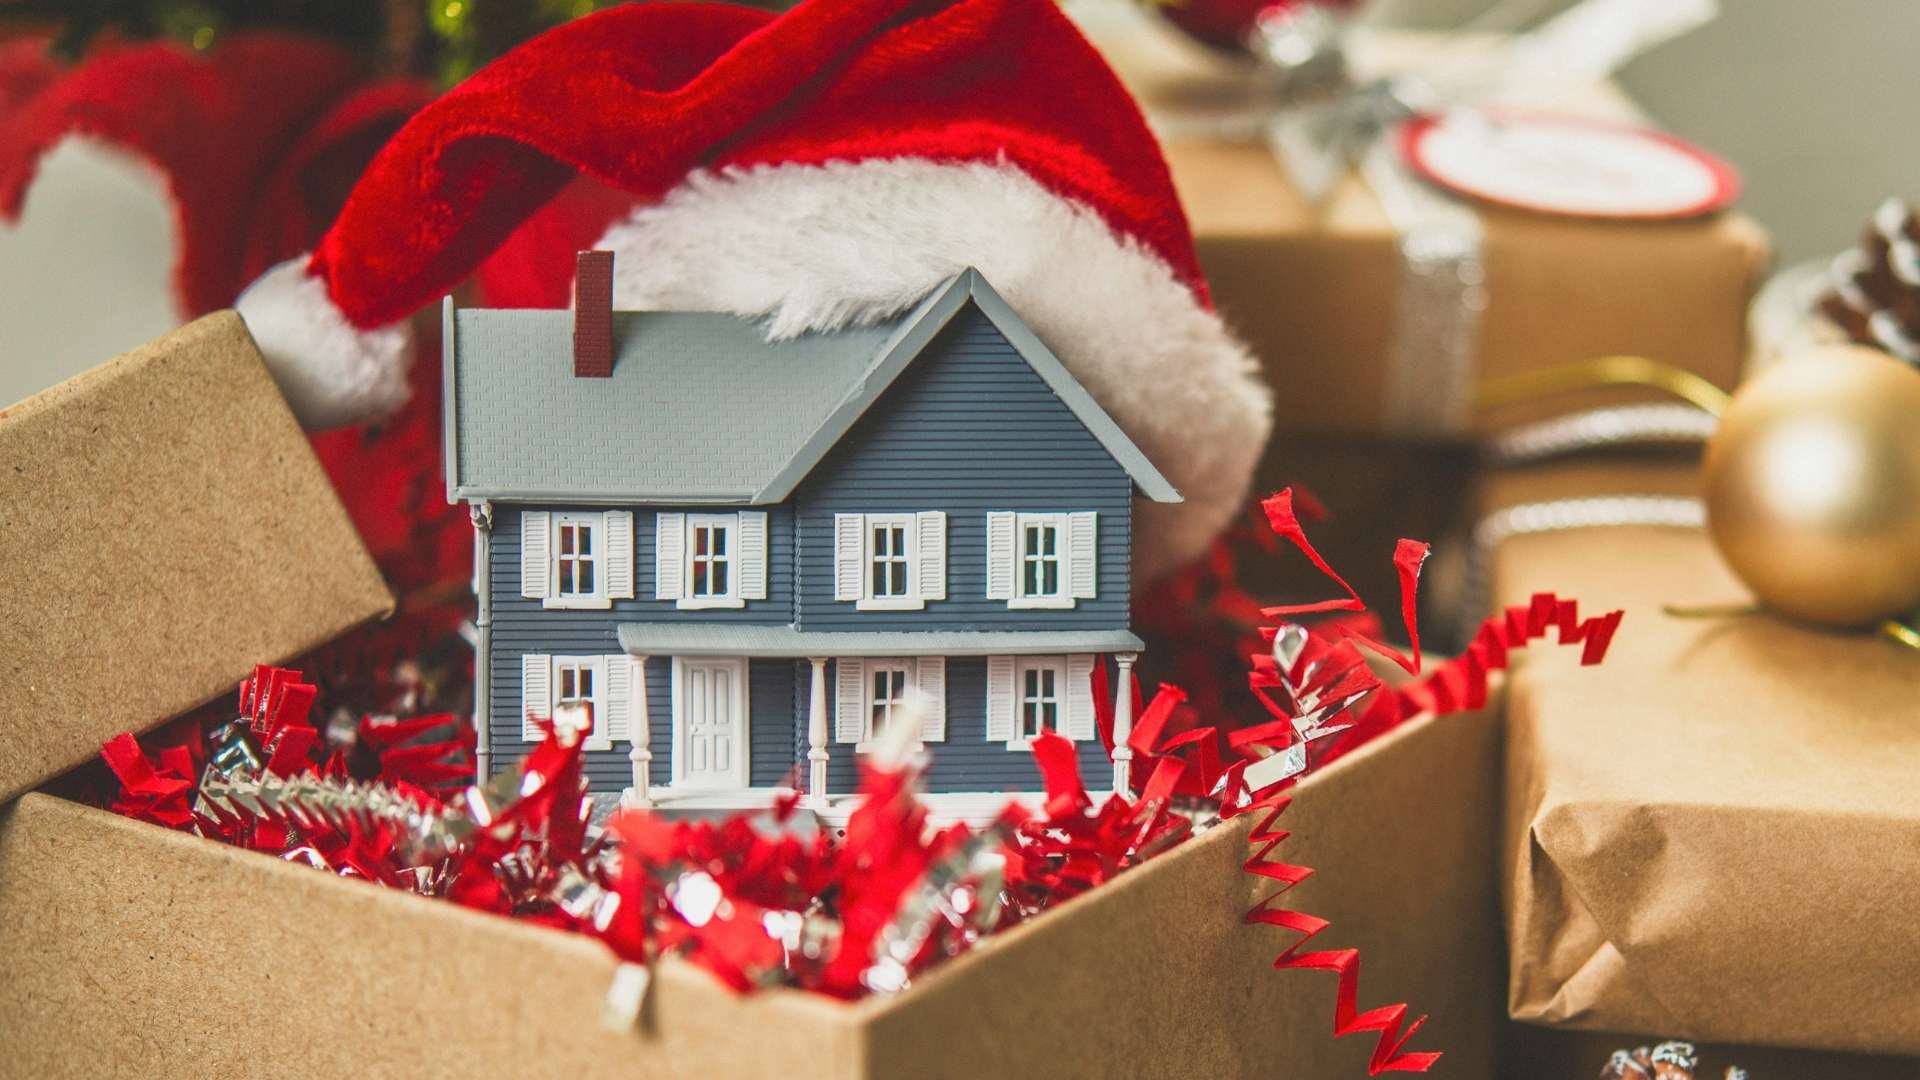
(536, 695)
(1000, 703)
(850, 700)
(617, 725)
(752, 550)
(930, 529)
(930, 678)
(848, 546)
(536, 554)
(1079, 723)
(669, 556)
(1083, 554)
(617, 528)
(1000, 556)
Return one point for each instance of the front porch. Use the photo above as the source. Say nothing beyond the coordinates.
(816, 741)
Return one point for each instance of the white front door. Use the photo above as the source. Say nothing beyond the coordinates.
(710, 723)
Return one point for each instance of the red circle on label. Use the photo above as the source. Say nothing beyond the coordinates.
(1567, 165)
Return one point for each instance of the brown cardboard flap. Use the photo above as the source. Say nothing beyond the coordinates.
(1717, 832)
(165, 527)
(164, 954)
(1154, 975)
(134, 951)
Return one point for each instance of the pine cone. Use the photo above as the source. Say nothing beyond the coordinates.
(1667, 1061)
(1873, 289)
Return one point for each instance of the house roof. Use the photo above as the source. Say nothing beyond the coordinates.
(736, 639)
(701, 407)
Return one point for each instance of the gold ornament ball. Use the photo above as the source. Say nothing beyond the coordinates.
(1812, 484)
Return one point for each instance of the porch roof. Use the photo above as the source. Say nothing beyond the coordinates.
(722, 639)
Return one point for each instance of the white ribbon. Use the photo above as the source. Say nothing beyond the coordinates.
(1443, 291)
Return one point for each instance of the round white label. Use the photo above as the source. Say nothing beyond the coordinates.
(1567, 165)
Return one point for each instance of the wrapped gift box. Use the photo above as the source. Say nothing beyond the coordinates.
(1314, 289)
(1717, 834)
(166, 527)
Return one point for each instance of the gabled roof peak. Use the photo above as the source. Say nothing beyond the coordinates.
(521, 427)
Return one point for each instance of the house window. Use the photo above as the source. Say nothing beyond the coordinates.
(887, 694)
(576, 559)
(887, 557)
(1040, 577)
(1040, 688)
(1042, 560)
(710, 560)
(573, 559)
(871, 695)
(710, 571)
(890, 562)
(573, 683)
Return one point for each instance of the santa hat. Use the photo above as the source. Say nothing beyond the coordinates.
(247, 178)
(820, 169)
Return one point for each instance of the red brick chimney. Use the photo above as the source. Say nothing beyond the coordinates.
(593, 315)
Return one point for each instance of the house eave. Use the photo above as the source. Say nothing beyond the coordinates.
(780, 642)
(470, 493)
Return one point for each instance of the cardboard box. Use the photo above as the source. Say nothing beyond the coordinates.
(125, 948)
(1313, 290)
(1717, 834)
(166, 527)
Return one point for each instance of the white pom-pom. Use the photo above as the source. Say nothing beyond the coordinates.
(819, 247)
(331, 372)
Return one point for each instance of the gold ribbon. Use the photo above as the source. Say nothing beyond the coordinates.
(1605, 371)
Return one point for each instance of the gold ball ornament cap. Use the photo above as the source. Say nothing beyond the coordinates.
(1812, 485)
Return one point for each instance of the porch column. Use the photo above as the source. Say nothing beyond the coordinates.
(817, 735)
(1123, 723)
(639, 723)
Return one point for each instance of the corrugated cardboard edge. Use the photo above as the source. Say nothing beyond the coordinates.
(133, 951)
(160, 954)
(166, 527)
(1154, 974)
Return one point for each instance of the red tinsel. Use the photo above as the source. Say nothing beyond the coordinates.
(759, 899)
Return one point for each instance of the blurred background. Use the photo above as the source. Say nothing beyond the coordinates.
(1814, 102)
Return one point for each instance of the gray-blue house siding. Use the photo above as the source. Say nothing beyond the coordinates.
(968, 427)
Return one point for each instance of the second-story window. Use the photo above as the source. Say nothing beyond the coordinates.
(890, 562)
(1040, 557)
(711, 576)
(576, 559)
(1042, 560)
(710, 560)
(888, 557)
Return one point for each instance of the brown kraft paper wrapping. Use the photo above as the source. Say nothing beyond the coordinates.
(1715, 834)
(149, 949)
(1314, 290)
(165, 527)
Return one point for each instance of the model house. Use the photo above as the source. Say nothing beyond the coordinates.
(748, 556)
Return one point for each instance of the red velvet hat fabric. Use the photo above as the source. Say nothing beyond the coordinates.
(257, 138)
(634, 98)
